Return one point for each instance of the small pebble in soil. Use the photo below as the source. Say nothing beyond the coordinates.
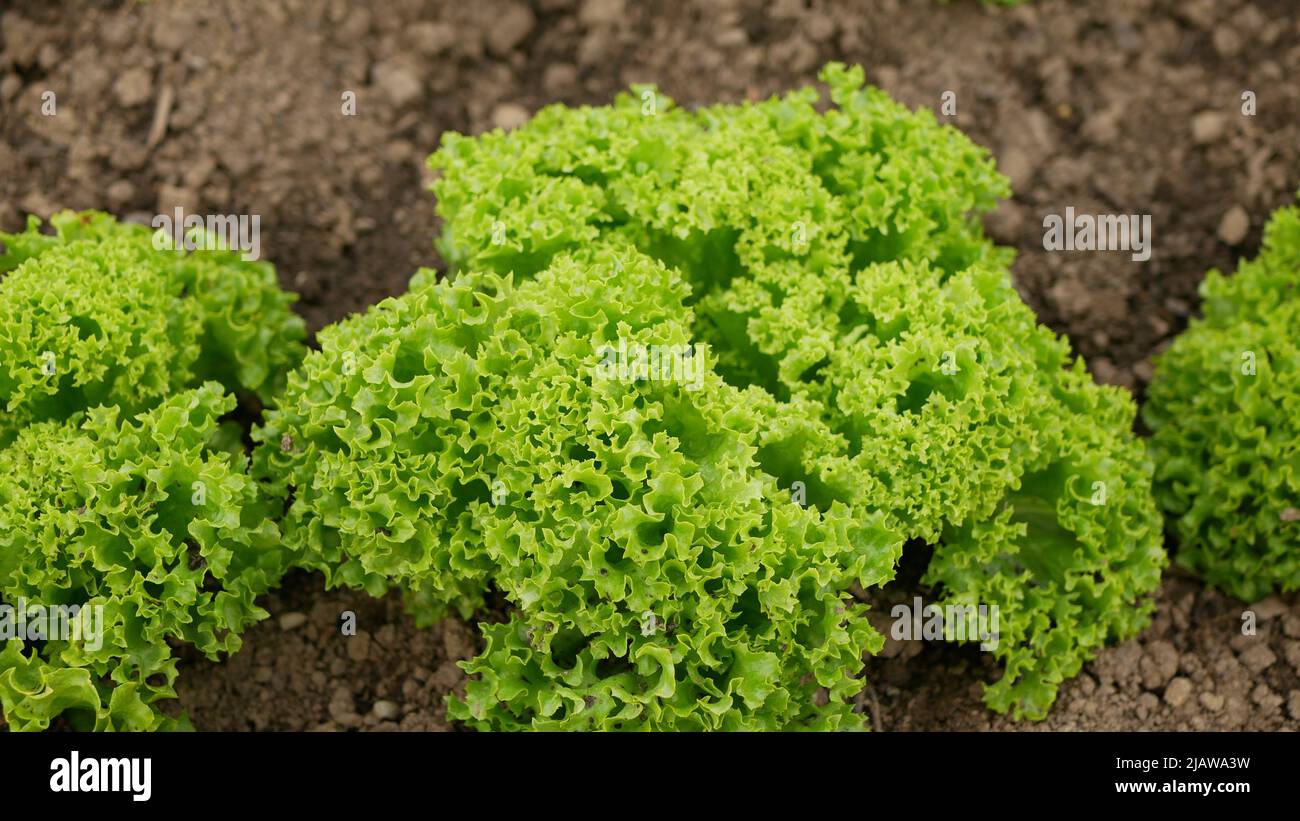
(342, 710)
(1234, 225)
(509, 115)
(602, 12)
(431, 39)
(512, 26)
(10, 86)
(120, 193)
(559, 78)
(1178, 691)
(1269, 608)
(1267, 700)
(1207, 127)
(1159, 665)
(1227, 42)
(386, 710)
(398, 81)
(1258, 658)
(1291, 626)
(1147, 704)
(292, 621)
(134, 87)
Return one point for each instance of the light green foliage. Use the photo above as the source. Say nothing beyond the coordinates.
(660, 578)
(836, 269)
(150, 520)
(155, 520)
(1224, 406)
(94, 315)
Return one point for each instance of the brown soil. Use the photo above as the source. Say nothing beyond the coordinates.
(1122, 106)
(1194, 668)
(300, 671)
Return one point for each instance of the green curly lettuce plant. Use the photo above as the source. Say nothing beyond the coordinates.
(95, 315)
(1224, 408)
(463, 435)
(153, 530)
(835, 266)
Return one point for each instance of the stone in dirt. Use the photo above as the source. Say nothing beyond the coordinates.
(1266, 699)
(1269, 608)
(1178, 691)
(602, 12)
(509, 115)
(342, 708)
(510, 28)
(1159, 664)
(134, 87)
(1234, 225)
(432, 39)
(1208, 126)
(398, 81)
(1258, 658)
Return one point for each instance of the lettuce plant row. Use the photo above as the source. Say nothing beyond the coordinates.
(696, 384)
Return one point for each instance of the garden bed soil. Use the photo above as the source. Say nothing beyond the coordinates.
(1116, 106)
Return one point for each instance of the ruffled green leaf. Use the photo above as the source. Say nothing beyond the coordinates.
(140, 522)
(837, 271)
(1224, 406)
(461, 436)
(95, 315)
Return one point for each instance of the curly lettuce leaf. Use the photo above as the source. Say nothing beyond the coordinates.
(95, 315)
(460, 436)
(166, 539)
(1224, 408)
(836, 266)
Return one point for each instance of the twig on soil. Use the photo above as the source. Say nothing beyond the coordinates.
(161, 112)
